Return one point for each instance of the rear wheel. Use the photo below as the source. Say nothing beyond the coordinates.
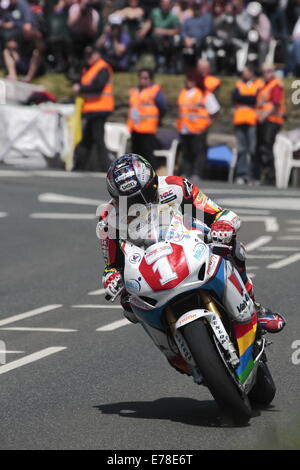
(264, 389)
(213, 370)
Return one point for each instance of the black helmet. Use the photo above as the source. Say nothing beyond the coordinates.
(132, 176)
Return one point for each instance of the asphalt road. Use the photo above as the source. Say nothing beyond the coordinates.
(66, 384)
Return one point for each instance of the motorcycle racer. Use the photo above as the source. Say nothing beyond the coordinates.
(131, 177)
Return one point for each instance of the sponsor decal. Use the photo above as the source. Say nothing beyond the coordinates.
(125, 186)
(187, 318)
(135, 258)
(244, 304)
(178, 236)
(157, 253)
(144, 175)
(133, 284)
(213, 264)
(198, 250)
(167, 196)
(125, 176)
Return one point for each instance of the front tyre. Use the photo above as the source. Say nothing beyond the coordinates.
(213, 370)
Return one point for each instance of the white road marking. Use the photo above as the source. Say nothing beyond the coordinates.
(289, 237)
(265, 256)
(114, 325)
(5, 173)
(64, 199)
(62, 216)
(29, 314)
(3, 214)
(98, 306)
(253, 211)
(270, 222)
(276, 203)
(260, 241)
(58, 174)
(255, 192)
(97, 292)
(280, 248)
(28, 328)
(285, 262)
(11, 352)
(30, 358)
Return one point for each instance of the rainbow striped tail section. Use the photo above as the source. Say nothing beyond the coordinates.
(245, 334)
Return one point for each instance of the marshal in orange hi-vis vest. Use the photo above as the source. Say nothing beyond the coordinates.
(104, 101)
(193, 116)
(211, 83)
(244, 114)
(143, 114)
(264, 102)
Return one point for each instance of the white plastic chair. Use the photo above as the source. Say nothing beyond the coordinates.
(116, 136)
(283, 159)
(169, 155)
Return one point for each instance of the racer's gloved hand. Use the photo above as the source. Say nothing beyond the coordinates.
(112, 283)
(222, 232)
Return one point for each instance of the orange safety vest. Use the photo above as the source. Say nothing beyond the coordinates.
(143, 114)
(104, 101)
(264, 102)
(192, 113)
(244, 114)
(211, 83)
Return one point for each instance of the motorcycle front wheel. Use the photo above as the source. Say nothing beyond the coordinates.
(216, 377)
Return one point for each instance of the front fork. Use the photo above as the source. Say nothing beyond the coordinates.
(212, 315)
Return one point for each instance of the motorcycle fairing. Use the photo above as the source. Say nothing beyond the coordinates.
(245, 335)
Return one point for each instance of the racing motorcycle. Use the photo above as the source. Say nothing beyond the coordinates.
(190, 299)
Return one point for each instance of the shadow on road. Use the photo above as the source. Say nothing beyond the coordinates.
(184, 410)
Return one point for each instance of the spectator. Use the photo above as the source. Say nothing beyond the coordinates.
(195, 30)
(204, 78)
(196, 110)
(133, 17)
(58, 35)
(15, 18)
(165, 27)
(183, 10)
(296, 46)
(261, 24)
(270, 115)
(147, 105)
(227, 40)
(242, 19)
(83, 22)
(96, 89)
(114, 44)
(148, 6)
(245, 120)
(23, 42)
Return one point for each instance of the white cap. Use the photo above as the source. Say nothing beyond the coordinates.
(254, 9)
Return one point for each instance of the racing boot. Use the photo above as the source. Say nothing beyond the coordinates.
(269, 321)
